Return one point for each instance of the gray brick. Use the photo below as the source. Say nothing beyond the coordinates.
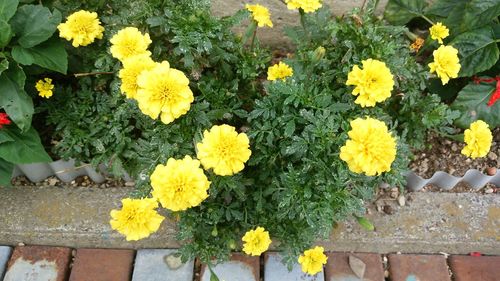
(161, 265)
(5, 253)
(240, 268)
(275, 270)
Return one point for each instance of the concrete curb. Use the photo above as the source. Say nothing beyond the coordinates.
(455, 223)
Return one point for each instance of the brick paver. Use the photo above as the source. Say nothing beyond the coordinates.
(38, 263)
(161, 265)
(102, 265)
(338, 267)
(239, 268)
(275, 270)
(467, 268)
(418, 268)
(5, 252)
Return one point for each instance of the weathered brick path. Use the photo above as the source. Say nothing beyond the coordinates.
(39, 263)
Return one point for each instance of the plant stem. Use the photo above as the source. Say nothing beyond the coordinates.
(91, 73)
(427, 19)
(253, 39)
(303, 22)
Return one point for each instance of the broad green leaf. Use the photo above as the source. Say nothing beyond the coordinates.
(5, 33)
(472, 103)
(6, 169)
(5, 138)
(25, 149)
(443, 8)
(8, 9)
(34, 24)
(365, 223)
(289, 128)
(14, 100)
(4, 63)
(477, 49)
(50, 55)
(468, 15)
(400, 12)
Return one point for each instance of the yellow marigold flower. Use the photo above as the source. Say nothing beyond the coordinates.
(44, 87)
(164, 91)
(82, 27)
(224, 150)
(180, 184)
(132, 67)
(260, 14)
(371, 148)
(446, 63)
(256, 241)
(280, 70)
(312, 260)
(137, 219)
(417, 44)
(308, 6)
(374, 82)
(478, 139)
(129, 42)
(439, 32)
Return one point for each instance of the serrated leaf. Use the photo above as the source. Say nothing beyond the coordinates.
(477, 49)
(400, 12)
(50, 55)
(289, 128)
(8, 9)
(5, 33)
(34, 24)
(14, 100)
(25, 149)
(472, 103)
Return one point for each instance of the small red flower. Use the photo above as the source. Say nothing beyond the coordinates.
(496, 94)
(4, 120)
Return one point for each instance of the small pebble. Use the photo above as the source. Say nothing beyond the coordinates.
(20, 244)
(488, 190)
(491, 171)
(401, 200)
(492, 155)
(454, 147)
(130, 184)
(388, 210)
(384, 185)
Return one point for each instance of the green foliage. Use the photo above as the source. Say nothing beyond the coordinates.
(474, 27)
(472, 102)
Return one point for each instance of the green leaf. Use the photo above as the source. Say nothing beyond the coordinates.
(50, 55)
(400, 12)
(289, 128)
(365, 223)
(14, 100)
(443, 8)
(468, 15)
(477, 49)
(213, 276)
(5, 33)
(8, 9)
(5, 138)
(4, 63)
(6, 169)
(25, 149)
(472, 104)
(34, 24)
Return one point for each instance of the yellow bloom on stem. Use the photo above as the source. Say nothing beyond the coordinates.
(280, 70)
(137, 219)
(224, 150)
(374, 82)
(82, 27)
(132, 67)
(129, 42)
(308, 6)
(312, 260)
(180, 184)
(44, 87)
(478, 140)
(446, 63)
(256, 241)
(371, 148)
(164, 92)
(260, 14)
(439, 32)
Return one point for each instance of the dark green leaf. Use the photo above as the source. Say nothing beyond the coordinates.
(443, 8)
(365, 223)
(468, 15)
(289, 128)
(8, 9)
(5, 33)
(472, 103)
(4, 64)
(25, 149)
(34, 24)
(50, 55)
(14, 100)
(402, 11)
(6, 169)
(477, 51)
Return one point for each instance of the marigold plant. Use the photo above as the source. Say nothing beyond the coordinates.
(82, 28)
(478, 140)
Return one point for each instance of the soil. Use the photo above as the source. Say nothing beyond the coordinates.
(84, 181)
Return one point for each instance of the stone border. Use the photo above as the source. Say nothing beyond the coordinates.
(455, 223)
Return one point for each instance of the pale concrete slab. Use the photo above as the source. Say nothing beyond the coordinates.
(231, 270)
(275, 270)
(5, 252)
(161, 265)
(33, 271)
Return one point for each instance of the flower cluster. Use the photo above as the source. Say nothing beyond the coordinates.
(44, 88)
(308, 6)
(279, 71)
(438, 32)
(83, 27)
(256, 241)
(312, 260)
(478, 140)
(446, 63)
(260, 14)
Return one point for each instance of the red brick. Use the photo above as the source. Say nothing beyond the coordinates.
(102, 265)
(39, 262)
(338, 269)
(250, 261)
(467, 268)
(418, 268)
